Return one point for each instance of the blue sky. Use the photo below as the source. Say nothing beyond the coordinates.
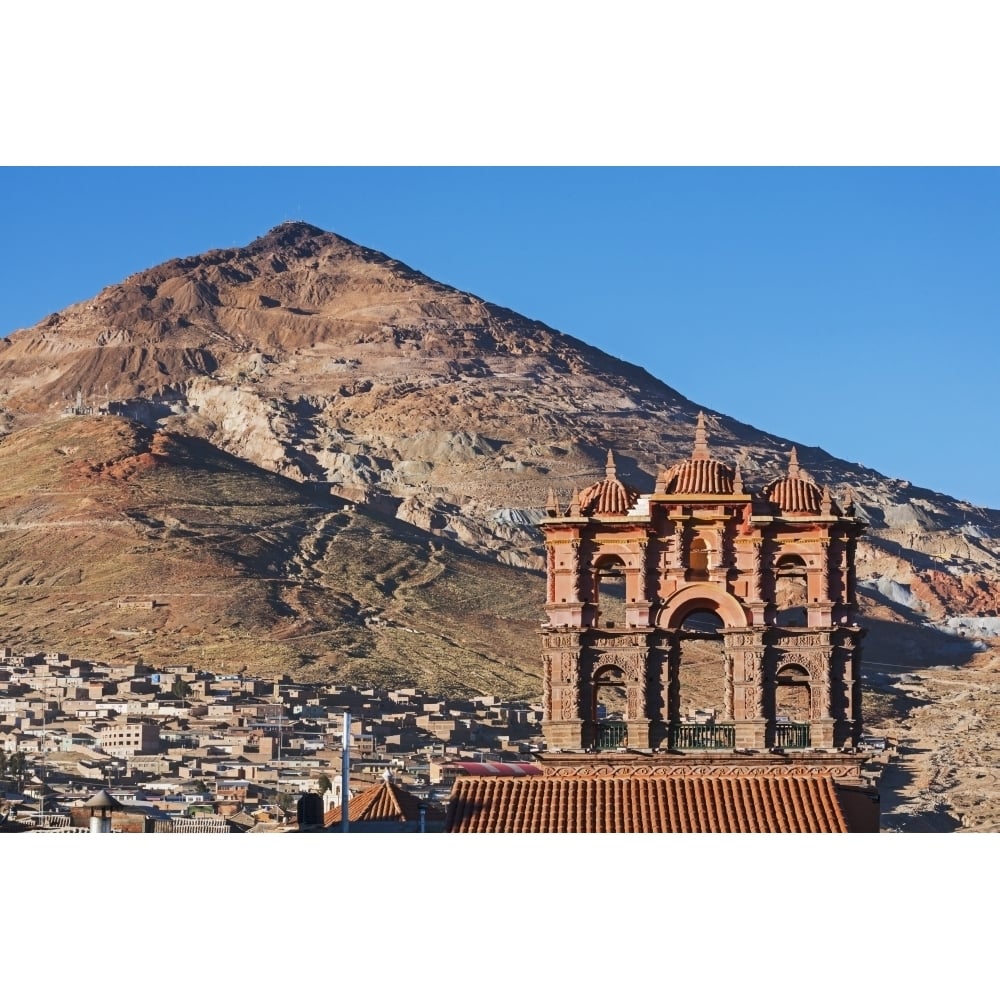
(856, 309)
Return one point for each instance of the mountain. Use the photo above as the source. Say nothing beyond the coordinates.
(118, 542)
(439, 421)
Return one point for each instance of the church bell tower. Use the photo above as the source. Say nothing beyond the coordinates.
(703, 615)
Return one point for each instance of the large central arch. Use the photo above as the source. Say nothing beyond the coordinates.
(702, 597)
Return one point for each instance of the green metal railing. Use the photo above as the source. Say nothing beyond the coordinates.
(611, 735)
(702, 736)
(792, 735)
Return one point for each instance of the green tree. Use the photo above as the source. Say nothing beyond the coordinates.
(180, 688)
(325, 784)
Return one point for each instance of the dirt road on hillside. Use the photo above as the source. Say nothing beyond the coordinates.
(943, 723)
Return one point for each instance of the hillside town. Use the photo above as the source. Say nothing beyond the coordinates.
(186, 750)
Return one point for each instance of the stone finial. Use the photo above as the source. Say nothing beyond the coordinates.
(826, 503)
(849, 508)
(738, 480)
(574, 503)
(793, 463)
(552, 504)
(700, 438)
(609, 469)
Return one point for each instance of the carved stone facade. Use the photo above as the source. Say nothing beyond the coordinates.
(770, 571)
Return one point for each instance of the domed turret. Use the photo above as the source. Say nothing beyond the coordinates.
(609, 496)
(699, 474)
(796, 493)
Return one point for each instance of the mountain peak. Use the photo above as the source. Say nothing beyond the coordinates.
(293, 231)
(292, 234)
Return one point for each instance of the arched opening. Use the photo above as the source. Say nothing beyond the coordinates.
(609, 708)
(609, 591)
(791, 591)
(701, 667)
(792, 706)
(701, 596)
(792, 697)
(698, 560)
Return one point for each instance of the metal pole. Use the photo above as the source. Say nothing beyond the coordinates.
(41, 790)
(277, 780)
(345, 773)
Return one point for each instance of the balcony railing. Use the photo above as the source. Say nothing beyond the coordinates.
(702, 736)
(611, 735)
(791, 735)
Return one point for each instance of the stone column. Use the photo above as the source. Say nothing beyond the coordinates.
(563, 725)
(638, 716)
(746, 649)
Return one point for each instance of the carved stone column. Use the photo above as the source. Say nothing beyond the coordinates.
(746, 649)
(563, 725)
(821, 726)
(638, 715)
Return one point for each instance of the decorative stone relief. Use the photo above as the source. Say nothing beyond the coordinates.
(569, 704)
(805, 639)
(822, 702)
(569, 639)
(607, 660)
(635, 710)
(570, 672)
(574, 570)
(752, 660)
(743, 638)
(704, 770)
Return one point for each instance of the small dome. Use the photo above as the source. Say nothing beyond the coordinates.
(697, 475)
(700, 473)
(795, 496)
(609, 496)
(796, 493)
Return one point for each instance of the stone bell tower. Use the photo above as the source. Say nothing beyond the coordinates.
(705, 614)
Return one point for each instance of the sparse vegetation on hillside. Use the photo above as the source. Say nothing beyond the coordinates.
(98, 517)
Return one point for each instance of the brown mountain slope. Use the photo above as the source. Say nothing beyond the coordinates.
(311, 356)
(100, 516)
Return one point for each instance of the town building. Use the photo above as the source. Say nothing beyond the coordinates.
(128, 739)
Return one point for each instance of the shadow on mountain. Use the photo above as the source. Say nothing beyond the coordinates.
(896, 778)
(901, 646)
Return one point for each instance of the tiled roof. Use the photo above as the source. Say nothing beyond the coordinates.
(384, 802)
(795, 495)
(697, 476)
(609, 496)
(646, 804)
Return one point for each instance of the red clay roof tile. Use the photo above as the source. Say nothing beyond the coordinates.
(646, 804)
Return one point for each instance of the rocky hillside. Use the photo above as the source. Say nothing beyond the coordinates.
(306, 355)
(118, 542)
